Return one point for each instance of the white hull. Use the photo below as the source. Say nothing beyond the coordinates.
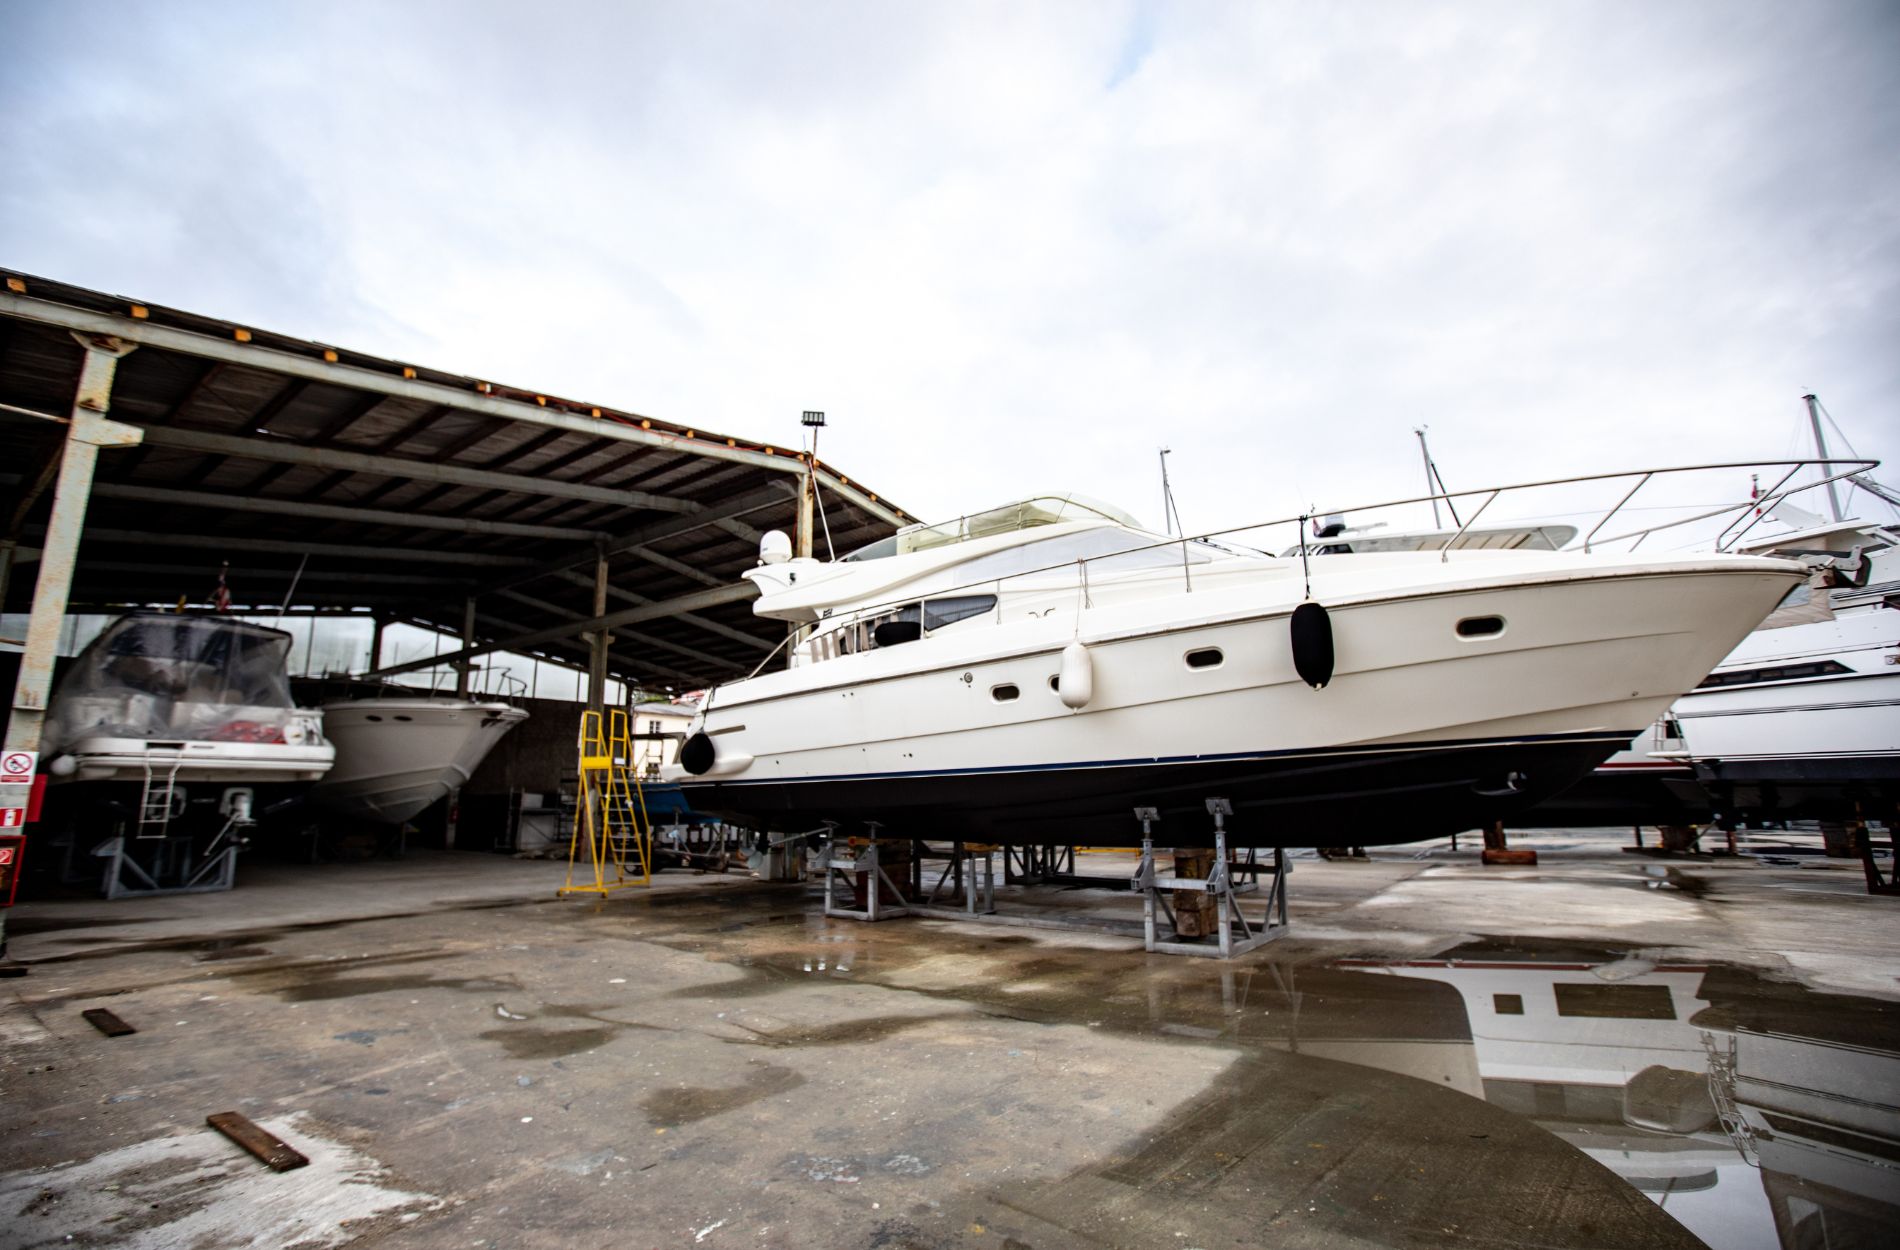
(231, 763)
(1850, 714)
(396, 756)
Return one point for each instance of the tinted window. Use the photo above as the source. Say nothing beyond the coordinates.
(1003, 694)
(941, 612)
(1480, 626)
(1206, 657)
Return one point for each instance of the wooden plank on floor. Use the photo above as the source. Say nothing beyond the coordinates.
(278, 1155)
(106, 1022)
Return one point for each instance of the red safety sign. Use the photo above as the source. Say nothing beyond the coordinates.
(12, 817)
(18, 766)
(12, 851)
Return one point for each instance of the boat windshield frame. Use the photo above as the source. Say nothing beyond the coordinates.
(1009, 518)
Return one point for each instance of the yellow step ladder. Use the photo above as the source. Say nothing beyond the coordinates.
(612, 834)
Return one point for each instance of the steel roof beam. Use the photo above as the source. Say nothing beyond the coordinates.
(691, 618)
(251, 355)
(337, 512)
(574, 628)
(630, 661)
(285, 452)
(645, 640)
(343, 551)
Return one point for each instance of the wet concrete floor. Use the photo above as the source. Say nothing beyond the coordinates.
(1600, 1051)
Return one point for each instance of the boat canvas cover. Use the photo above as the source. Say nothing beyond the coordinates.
(156, 675)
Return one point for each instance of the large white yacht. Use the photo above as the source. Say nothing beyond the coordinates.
(1034, 672)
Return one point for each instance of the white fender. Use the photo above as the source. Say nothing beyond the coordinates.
(1076, 682)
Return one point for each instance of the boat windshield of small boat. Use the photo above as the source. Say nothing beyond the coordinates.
(191, 678)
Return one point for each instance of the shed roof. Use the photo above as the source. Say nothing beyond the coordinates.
(379, 486)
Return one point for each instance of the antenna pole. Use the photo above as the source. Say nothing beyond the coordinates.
(1431, 486)
(1167, 494)
(1820, 449)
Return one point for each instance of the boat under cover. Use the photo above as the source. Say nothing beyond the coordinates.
(183, 698)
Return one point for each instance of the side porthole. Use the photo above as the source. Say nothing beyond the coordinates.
(1480, 626)
(373, 716)
(1055, 683)
(1206, 657)
(1004, 693)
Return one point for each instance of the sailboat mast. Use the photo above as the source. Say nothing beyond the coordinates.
(1820, 449)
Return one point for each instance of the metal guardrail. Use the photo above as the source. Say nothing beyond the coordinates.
(1760, 504)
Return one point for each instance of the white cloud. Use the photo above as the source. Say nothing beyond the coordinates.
(1014, 247)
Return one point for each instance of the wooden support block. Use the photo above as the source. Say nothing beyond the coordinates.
(1196, 912)
(277, 1155)
(1493, 855)
(107, 1023)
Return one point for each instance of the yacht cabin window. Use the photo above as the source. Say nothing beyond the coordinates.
(905, 624)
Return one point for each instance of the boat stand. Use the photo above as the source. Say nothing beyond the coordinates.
(864, 862)
(1234, 935)
(152, 864)
(970, 872)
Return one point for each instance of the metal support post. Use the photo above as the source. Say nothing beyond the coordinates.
(87, 432)
(598, 640)
(463, 669)
(376, 641)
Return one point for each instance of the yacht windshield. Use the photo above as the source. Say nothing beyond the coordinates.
(1008, 519)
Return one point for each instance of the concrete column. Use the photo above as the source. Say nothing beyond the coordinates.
(87, 432)
(598, 641)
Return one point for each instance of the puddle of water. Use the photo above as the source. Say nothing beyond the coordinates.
(527, 1041)
(670, 1108)
(1709, 1100)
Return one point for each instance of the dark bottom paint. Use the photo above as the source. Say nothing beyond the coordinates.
(1815, 787)
(1343, 798)
(1613, 798)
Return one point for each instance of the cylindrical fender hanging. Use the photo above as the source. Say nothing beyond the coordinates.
(1312, 632)
(696, 755)
(1076, 682)
(699, 757)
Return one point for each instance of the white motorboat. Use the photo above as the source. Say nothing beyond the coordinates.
(1034, 672)
(397, 754)
(172, 700)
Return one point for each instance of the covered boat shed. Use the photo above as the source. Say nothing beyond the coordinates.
(142, 447)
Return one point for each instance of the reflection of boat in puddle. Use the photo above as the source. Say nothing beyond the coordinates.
(1755, 1113)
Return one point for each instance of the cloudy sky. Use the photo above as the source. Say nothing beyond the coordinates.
(1017, 247)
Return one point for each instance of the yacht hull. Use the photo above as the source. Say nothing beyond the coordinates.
(229, 763)
(1365, 796)
(396, 756)
(1420, 732)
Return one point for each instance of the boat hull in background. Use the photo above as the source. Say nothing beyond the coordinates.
(396, 756)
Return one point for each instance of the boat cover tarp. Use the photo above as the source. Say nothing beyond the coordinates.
(160, 676)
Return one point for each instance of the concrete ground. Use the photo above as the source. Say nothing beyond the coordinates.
(468, 1061)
